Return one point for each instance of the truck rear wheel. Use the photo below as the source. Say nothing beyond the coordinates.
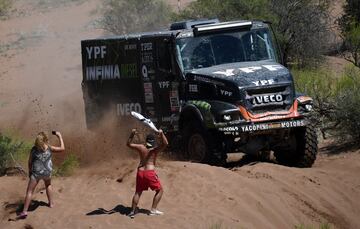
(304, 154)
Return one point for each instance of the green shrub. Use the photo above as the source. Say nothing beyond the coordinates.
(321, 85)
(13, 152)
(5, 5)
(67, 167)
(347, 102)
(336, 100)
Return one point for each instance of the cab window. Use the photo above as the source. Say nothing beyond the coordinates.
(164, 57)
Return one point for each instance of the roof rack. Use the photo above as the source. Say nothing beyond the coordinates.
(189, 24)
(210, 28)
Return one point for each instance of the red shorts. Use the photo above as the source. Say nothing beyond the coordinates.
(146, 179)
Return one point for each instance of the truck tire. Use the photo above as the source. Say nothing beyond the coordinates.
(305, 151)
(196, 143)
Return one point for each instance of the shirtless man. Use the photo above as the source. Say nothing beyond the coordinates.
(146, 176)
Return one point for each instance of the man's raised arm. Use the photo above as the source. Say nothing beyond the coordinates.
(130, 139)
(164, 141)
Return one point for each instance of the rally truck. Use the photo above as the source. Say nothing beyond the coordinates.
(214, 87)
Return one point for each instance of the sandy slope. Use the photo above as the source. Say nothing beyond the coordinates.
(258, 195)
(41, 73)
(40, 79)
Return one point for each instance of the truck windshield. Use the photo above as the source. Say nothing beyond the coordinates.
(216, 49)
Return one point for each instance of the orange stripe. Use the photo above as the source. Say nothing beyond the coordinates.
(291, 113)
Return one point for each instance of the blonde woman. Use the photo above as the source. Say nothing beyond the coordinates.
(40, 167)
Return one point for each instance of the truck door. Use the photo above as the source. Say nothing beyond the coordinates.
(167, 85)
(161, 85)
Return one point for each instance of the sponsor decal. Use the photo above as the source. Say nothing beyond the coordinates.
(229, 128)
(147, 57)
(227, 72)
(193, 88)
(201, 104)
(273, 67)
(171, 118)
(146, 46)
(264, 82)
(263, 99)
(231, 72)
(104, 72)
(256, 127)
(188, 34)
(128, 71)
(130, 47)
(250, 69)
(148, 93)
(292, 124)
(256, 68)
(225, 93)
(144, 71)
(263, 126)
(164, 84)
(95, 52)
(174, 101)
(124, 109)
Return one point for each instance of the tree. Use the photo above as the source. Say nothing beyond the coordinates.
(301, 26)
(225, 10)
(129, 16)
(303, 29)
(350, 31)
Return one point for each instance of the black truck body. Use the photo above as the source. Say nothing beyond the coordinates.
(219, 86)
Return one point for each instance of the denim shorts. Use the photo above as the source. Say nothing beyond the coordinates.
(32, 177)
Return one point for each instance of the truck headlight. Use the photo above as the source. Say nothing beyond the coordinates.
(309, 107)
(227, 117)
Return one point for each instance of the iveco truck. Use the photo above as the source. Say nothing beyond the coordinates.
(220, 87)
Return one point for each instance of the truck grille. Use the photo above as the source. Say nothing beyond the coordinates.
(269, 99)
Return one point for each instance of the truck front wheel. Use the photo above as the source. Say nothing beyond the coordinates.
(196, 143)
(304, 153)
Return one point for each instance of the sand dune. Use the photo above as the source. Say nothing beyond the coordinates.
(257, 195)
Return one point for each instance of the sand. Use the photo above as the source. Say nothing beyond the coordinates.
(40, 89)
(255, 195)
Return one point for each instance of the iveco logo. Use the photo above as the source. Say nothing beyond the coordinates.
(261, 99)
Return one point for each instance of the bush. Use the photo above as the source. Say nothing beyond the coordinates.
(347, 102)
(336, 100)
(70, 163)
(12, 152)
(4, 7)
(321, 85)
(123, 17)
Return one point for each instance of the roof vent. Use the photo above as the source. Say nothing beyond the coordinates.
(191, 23)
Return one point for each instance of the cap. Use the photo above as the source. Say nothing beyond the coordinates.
(150, 141)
